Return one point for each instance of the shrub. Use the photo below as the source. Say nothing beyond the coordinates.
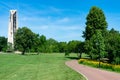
(116, 68)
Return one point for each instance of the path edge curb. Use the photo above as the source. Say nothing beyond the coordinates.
(77, 71)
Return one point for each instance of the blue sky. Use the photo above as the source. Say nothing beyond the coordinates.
(62, 20)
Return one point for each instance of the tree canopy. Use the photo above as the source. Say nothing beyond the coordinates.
(24, 39)
(95, 21)
(112, 42)
(100, 42)
(3, 44)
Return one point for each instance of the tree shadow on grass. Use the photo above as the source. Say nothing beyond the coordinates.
(72, 58)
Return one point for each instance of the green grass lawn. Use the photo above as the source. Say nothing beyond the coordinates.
(36, 67)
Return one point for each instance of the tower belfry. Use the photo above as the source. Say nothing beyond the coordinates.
(12, 28)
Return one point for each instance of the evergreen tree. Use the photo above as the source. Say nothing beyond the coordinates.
(95, 21)
(98, 44)
(96, 26)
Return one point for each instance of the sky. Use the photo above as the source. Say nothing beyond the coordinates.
(62, 20)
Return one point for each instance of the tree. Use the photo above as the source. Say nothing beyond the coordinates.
(52, 46)
(73, 46)
(112, 41)
(62, 47)
(3, 44)
(96, 46)
(95, 21)
(88, 47)
(96, 27)
(80, 48)
(24, 39)
(41, 43)
(34, 47)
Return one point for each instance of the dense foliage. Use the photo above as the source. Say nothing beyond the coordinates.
(24, 39)
(3, 44)
(99, 42)
(95, 21)
(27, 41)
(112, 42)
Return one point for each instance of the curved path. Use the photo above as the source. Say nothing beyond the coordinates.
(92, 73)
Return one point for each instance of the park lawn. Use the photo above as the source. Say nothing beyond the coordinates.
(36, 67)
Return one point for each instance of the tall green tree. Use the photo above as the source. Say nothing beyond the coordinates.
(95, 47)
(96, 27)
(24, 39)
(95, 21)
(98, 44)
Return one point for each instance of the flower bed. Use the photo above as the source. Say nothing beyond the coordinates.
(102, 65)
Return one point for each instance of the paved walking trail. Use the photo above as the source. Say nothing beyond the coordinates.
(92, 73)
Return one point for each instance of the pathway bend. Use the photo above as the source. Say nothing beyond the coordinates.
(92, 73)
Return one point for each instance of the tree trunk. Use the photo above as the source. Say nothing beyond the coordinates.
(80, 55)
(23, 52)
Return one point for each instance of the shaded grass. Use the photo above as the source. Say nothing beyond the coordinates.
(36, 67)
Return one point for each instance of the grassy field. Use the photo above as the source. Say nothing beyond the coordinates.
(36, 67)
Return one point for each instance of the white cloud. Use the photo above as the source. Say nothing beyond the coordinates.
(43, 27)
(34, 18)
(70, 36)
(63, 20)
(54, 9)
(6, 5)
(73, 27)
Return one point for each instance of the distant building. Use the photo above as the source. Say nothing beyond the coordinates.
(12, 28)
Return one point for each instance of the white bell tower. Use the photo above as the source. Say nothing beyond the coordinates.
(12, 28)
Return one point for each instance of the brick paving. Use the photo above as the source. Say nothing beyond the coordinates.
(92, 73)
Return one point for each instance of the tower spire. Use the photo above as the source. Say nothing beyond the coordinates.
(12, 28)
